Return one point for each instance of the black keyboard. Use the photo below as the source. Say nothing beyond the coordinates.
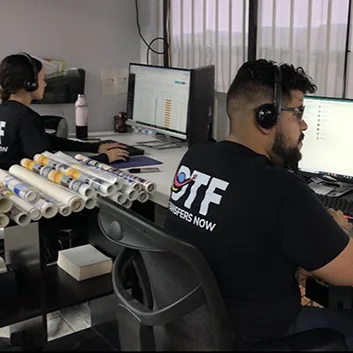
(133, 150)
(337, 203)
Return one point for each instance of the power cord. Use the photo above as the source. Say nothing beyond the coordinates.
(149, 45)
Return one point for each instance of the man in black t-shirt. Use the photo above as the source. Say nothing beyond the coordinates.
(256, 222)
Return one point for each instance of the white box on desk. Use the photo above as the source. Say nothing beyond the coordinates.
(83, 262)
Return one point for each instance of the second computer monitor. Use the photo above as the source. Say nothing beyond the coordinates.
(159, 99)
(328, 143)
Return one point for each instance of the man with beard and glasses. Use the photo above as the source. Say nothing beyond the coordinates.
(256, 222)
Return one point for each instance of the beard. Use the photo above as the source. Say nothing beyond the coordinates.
(281, 154)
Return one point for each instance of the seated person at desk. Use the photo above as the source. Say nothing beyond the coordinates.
(22, 133)
(256, 222)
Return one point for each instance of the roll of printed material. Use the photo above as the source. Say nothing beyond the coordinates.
(63, 156)
(97, 184)
(130, 192)
(62, 209)
(56, 191)
(18, 216)
(86, 167)
(119, 185)
(5, 204)
(90, 203)
(58, 178)
(4, 220)
(127, 203)
(48, 209)
(18, 186)
(98, 167)
(24, 205)
(119, 198)
(143, 196)
(147, 185)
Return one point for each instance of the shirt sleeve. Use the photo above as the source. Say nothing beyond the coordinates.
(32, 136)
(308, 235)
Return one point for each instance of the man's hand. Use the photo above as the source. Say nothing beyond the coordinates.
(117, 154)
(104, 147)
(341, 220)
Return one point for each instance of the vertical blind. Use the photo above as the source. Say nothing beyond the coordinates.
(307, 33)
(204, 32)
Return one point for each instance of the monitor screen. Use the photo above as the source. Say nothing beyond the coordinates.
(328, 143)
(159, 99)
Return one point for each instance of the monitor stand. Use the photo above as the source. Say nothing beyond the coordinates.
(162, 142)
(338, 188)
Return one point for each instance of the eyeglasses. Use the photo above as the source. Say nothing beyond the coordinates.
(297, 111)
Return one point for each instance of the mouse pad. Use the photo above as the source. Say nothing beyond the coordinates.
(136, 161)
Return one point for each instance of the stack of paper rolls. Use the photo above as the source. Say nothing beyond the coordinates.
(101, 186)
(57, 192)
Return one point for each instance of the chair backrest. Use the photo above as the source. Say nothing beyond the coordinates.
(188, 310)
(56, 125)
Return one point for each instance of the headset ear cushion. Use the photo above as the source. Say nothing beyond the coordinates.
(30, 86)
(267, 116)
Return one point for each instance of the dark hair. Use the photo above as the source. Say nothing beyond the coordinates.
(15, 70)
(256, 78)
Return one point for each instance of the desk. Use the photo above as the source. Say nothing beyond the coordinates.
(170, 159)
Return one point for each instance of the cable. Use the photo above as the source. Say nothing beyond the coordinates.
(149, 48)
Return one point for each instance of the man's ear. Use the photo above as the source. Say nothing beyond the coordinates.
(265, 131)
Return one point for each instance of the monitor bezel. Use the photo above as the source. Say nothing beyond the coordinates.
(158, 129)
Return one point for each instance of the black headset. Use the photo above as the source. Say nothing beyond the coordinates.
(268, 114)
(31, 85)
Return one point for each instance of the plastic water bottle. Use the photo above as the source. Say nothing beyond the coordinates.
(81, 117)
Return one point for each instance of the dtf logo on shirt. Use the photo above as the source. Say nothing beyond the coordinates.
(191, 184)
(2, 134)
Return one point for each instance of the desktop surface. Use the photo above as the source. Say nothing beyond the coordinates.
(169, 157)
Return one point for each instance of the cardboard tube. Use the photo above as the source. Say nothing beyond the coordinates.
(130, 192)
(127, 203)
(18, 187)
(47, 209)
(5, 204)
(24, 205)
(62, 209)
(90, 203)
(4, 220)
(143, 197)
(18, 216)
(119, 198)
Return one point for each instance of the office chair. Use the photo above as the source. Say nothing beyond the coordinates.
(56, 125)
(186, 310)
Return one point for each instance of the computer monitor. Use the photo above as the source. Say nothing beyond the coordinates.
(328, 144)
(158, 99)
(175, 102)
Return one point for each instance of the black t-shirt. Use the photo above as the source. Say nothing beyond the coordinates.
(255, 224)
(22, 135)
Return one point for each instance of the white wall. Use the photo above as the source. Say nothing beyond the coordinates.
(151, 21)
(89, 34)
